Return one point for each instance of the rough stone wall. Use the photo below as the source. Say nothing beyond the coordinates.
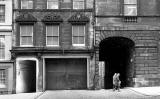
(144, 32)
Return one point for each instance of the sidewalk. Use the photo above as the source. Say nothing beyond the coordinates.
(150, 91)
(126, 93)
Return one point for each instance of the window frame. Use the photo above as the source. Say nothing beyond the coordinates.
(27, 5)
(3, 48)
(53, 36)
(26, 36)
(79, 36)
(130, 4)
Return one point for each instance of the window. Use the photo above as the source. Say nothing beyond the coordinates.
(2, 13)
(78, 35)
(3, 78)
(66, 4)
(78, 4)
(26, 4)
(52, 35)
(130, 7)
(52, 4)
(2, 47)
(26, 35)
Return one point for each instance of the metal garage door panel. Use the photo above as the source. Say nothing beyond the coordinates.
(55, 80)
(66, 74)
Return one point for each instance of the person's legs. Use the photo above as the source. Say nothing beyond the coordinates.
(114, 87)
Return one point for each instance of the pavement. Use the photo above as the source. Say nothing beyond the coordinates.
(126, 93)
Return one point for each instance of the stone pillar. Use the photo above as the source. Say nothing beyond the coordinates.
(40, 74)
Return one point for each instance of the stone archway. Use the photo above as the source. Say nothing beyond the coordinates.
(117, 53)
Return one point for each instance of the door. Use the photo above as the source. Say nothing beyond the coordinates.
(26, 77)
(66, 74)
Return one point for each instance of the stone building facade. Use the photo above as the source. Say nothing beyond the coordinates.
(80, 44)
(6, 65)
(127, 41)
(53, 45)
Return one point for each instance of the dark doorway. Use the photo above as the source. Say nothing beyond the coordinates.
(66, 73)
(28, 76)
(117, 53)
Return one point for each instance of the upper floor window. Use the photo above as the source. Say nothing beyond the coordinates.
(52, 4)
(66, 4)
(130, 7)
(26, 35)
(3, 78)
(2, 13)
(78, 4)
(52, 35)
(2, 47)
(78, 35)
(26, 4)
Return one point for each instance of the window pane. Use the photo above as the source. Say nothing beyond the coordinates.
(81, 40)
(2, 47)
(49, 30)
(55, 31)
(2, 13)
(26, 40)
(75, 31)
(66, 4)
(52, 41)
(78, 4)
(130, 1)
(26, 30)
(3, 78)
(130, 10)
(30, 4)
(52, 4)
(2, 41)
(52, 30)
(2, 53)
(27, 4)
(81, 30)
(75, 40)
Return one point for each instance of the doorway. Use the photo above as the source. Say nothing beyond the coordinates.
(117, 53)
(26, 76)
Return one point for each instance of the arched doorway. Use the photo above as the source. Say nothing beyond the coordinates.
(117, 53)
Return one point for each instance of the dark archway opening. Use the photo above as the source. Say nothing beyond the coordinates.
(28, 76)
(117, 53)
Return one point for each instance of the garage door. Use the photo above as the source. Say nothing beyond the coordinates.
(66, 74)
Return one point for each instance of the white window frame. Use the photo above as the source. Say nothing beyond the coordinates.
(84, 35)
(134, 5)
(27, 5)
(53, 36)
(50, 8)
(4, 49)
(78, 5)
(21, 37)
